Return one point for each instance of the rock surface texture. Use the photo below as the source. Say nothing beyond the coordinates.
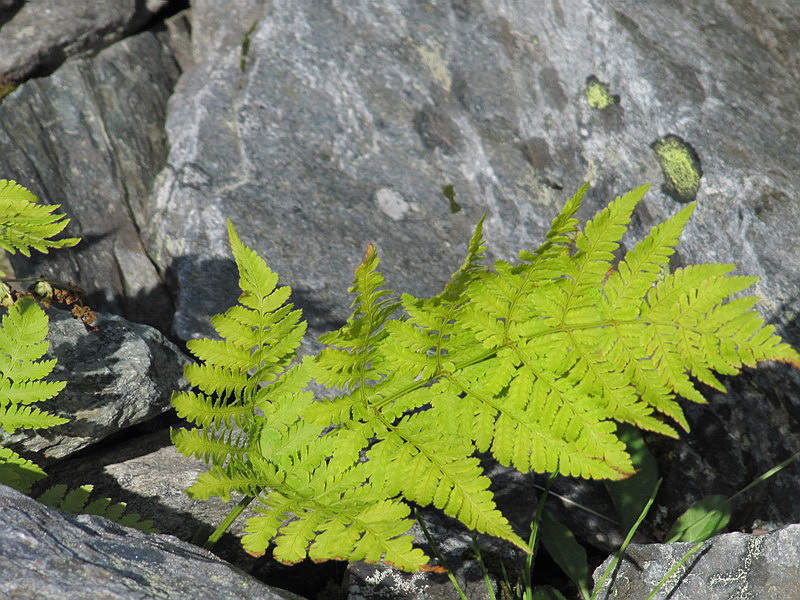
(320, 127)
(733, 565)
(90, 137)
(118, 376)
(39, 36)
(47, 554)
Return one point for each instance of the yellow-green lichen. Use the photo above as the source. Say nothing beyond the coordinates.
(6, 89)
(681, 167)
(449, 192)
(597, 94)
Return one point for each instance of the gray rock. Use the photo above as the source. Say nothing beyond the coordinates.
(340, 125)
(318, 129)
(122, 375)
(42, 33)
(90, 138)
(151, 477)
(381, 582)
(325, 128)
(48, 554)
(146, 472)
(734, 565)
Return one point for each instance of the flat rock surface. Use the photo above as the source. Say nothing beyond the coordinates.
(734, 565)
(48, 554)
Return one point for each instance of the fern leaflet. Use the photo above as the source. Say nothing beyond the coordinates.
(24, 224)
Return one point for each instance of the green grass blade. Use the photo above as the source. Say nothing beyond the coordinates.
(618, 555)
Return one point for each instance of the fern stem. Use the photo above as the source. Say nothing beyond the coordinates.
(533, 540)
(227, 522)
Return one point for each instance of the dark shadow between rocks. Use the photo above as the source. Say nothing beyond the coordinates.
(89, 467)
(8, 9)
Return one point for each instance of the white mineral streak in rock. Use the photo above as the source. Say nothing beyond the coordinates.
(391, 203)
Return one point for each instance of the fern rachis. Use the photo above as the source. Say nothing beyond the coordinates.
(534, 362)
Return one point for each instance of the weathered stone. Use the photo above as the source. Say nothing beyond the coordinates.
(45, 553)
(117, 377)
(151, 477)
(41, 34)
(322, 129)
(318, 129)
(90, 137)
(734, 565)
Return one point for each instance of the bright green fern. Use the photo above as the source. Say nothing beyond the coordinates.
(78, 501)
(26, 225)
(534, 362)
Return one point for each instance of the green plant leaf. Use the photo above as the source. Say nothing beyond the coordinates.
(18, 472)
(630, 495)
(702, 520)
(26, 225)
(565, 550)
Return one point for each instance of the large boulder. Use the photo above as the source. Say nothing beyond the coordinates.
(90, 137)
(318, 129)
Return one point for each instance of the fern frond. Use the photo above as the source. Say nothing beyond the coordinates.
(222, 482)
(260, 336)
(13, 417)
(535, 362)
(430, 468)
(422, 343)
(76, 501)
(415, 459)
(204, 411)
(209, 445)
(23, 342)
(327, 517)
(595, 252)
(24, 224)
(642, 266)
(350, 358)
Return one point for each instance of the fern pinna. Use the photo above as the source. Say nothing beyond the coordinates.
(534, 362)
